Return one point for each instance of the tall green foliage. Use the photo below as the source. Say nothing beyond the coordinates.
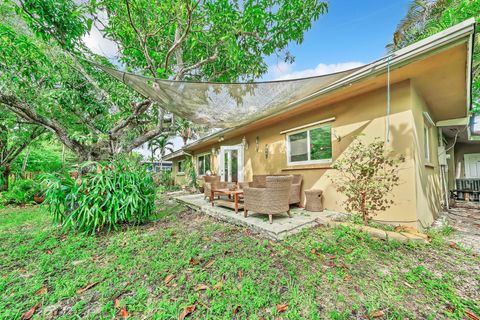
(215, 40)
(190, 172)
(114, 193)
(44, 84)
(425, 18)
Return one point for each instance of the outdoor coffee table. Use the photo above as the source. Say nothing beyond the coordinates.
(233, 204)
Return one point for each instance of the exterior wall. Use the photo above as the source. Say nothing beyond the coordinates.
(178, 177)
(460, 150)
(362, 115)
(427, 174)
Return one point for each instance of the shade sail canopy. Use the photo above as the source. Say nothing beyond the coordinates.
(226, 105)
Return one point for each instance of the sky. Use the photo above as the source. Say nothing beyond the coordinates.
(352, 33)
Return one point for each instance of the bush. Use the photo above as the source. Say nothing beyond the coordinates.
(367, 175)
(22, 192)
(108, 195)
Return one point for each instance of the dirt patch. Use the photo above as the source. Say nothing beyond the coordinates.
(464, 218)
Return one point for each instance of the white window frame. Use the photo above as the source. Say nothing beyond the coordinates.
(183, 167)
(198, 158)
(427, 124)
(287, 142)
(426, 143)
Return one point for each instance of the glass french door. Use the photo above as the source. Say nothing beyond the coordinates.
(231, 163)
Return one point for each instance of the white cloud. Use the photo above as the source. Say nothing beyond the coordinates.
(96, 42)
(283, 71)
(280, 69)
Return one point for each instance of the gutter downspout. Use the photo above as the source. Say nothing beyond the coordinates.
(387, 134)
(443, 171)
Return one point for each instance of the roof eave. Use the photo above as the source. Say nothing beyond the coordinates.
(454, 35)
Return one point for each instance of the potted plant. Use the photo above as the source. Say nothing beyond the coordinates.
(38, 192)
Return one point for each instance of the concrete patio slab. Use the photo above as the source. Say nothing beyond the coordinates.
(281, 227)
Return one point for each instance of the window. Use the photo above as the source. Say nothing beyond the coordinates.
(426, 141)
(310, 146)
(203, 164)
(427, 124)
(180, 166)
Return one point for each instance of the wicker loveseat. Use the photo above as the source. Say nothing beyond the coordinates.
(259, 181)
(272, 199)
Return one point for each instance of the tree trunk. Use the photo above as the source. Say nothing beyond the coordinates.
(63, 155)
(24, 164)
(153, 160)
(4, 180)
(364, 210)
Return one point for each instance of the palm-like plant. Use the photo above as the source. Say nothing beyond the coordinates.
(161, 145)
(419, 13)
(427, 17)
(185, 130)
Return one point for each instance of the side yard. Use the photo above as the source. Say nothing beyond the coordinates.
(184, 259)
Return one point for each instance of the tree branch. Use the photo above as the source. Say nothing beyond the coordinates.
(179, 39)
(200, 63)
(141, 40)
(140, 140)
(26, 112)
(17, 149)
(138, 109)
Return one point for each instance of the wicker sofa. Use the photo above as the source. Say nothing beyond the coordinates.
(270, 200)
(259, 181)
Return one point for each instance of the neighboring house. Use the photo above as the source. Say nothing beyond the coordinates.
(429, 117)
(157, 167)
(146, 154)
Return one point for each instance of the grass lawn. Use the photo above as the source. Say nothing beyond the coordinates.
(186, 259)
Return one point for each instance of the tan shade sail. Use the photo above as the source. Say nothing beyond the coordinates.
(225, 105)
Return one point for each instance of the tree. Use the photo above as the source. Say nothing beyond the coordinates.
(427, 17)
(15, 136)
(47, 86)
(215, 40)
(366, 176)
(162, 145)
(185, 130)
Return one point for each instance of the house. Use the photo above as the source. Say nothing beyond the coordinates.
(418, 100)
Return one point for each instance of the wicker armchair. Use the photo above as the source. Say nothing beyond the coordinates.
(259, 181)
(272, 199)
(207, 186)
(215, 183)
(296, 189)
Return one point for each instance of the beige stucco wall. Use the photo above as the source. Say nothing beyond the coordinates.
(363, 115)
(427, 174)
(179, 178)
(461, 149)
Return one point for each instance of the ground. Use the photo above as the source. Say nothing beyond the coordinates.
(464, 217)
(186, 259)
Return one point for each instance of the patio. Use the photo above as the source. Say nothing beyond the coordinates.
(281, 227)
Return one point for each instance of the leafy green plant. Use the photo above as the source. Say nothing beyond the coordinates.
(190, 172)
(367, 175)
(22, 192)
(109, 195)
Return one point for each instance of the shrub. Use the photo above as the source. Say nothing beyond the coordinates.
(22, 192)
(163, 178)
(190, 172)
(108, 195)
(367, 175)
